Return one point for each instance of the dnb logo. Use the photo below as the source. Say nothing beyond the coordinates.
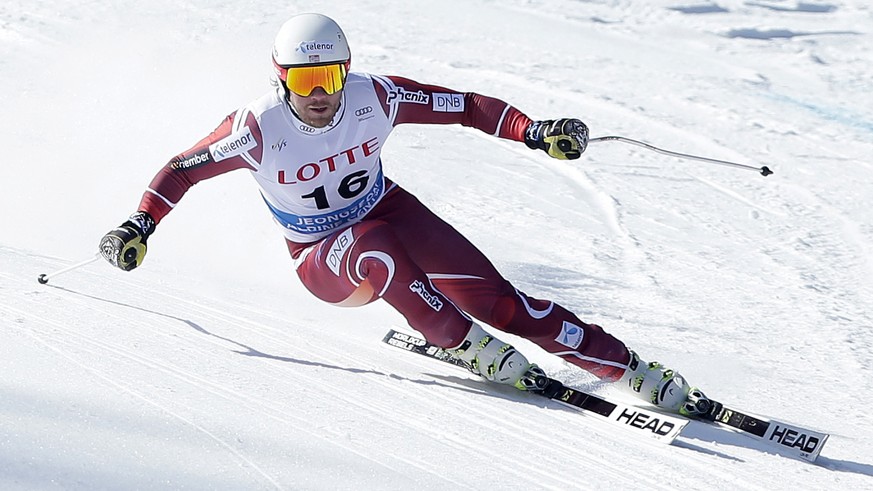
(338, 249)
(448, 103)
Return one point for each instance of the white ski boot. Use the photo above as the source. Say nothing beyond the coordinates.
(662, 387)
(497, 361)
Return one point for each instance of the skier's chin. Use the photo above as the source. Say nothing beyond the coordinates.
(318, 117)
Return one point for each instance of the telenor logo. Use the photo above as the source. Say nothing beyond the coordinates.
(315, 47)
(233, 145)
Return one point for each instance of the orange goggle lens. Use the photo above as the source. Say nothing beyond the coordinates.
(303, 80)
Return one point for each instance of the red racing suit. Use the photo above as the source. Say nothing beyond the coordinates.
(355, 236)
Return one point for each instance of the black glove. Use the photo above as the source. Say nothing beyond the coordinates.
(563, 139)
(125, 246)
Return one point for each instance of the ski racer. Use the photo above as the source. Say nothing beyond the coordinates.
(313, 146)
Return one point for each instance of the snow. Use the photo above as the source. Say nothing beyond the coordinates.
(211, 367)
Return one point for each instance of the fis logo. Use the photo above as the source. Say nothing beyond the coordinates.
(278, 146)
(402, 95)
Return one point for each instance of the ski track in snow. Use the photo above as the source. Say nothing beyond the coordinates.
(113, 380)
(480, 411)
(450, 395)
(64, 339)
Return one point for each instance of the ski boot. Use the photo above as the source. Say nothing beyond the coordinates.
(497, 361)
(664, 388)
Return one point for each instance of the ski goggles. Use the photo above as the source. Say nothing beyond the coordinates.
(302, 80)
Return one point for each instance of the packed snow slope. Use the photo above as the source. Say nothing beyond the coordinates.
(211, 367)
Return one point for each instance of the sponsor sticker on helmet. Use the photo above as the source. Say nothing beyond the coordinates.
(310, 47)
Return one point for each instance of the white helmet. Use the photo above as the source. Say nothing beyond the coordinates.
(310, 39)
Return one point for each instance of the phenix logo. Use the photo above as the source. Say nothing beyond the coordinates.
(431, 299)
(401, 95)
(315, 47)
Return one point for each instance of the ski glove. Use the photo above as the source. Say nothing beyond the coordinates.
(125, 246)
(563, 139)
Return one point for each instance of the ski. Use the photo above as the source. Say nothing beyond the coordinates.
(651, 424)
(790, 439)
(794, 440)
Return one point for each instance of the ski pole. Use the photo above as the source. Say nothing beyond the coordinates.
(44, 278)
(765, 171)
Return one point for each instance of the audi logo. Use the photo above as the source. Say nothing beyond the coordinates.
(364, 110)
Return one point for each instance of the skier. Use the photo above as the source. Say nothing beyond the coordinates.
(313, 145)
